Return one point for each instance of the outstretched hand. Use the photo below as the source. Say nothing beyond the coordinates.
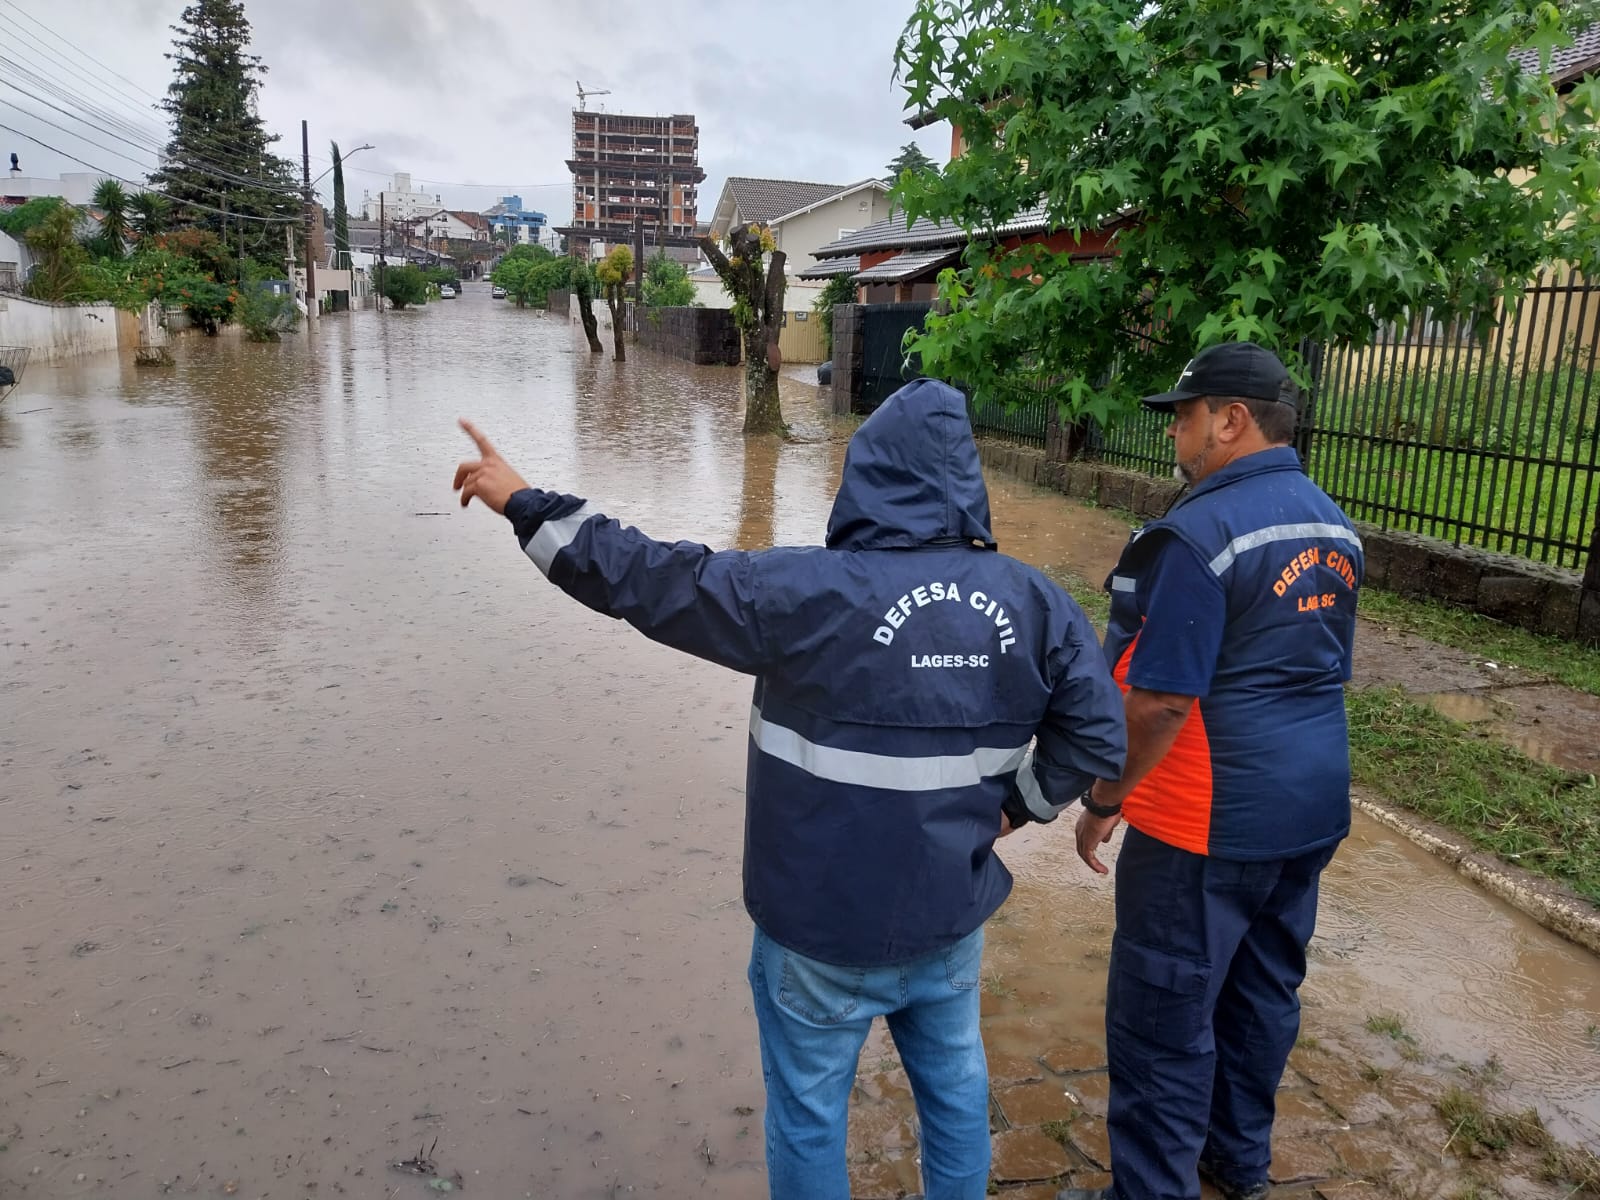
(490, 478)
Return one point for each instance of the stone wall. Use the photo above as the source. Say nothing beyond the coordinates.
(1514, 590)
(706, 336)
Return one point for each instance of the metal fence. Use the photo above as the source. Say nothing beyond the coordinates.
(1491, 441)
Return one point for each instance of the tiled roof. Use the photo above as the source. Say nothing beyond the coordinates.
(1570, 63)
(891, 234)
(471, 219)
(829, 267)
(764, 199)
(913, 262)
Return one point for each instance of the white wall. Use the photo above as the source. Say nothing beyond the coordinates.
(75, 187)
(57, 331)
(799, 236)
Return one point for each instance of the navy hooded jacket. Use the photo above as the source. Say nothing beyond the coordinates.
(902, 671)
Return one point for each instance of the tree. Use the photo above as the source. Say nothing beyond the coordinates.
(758, 312)
(341, 218)
(584, 285)
(112, 201)
(1291, 172)
(840, 289)
(16, 222)
(149, 215)
(219, 149)
(613, 273)
(911, 158)
(405, 285)
(666, 283)
(60, 261)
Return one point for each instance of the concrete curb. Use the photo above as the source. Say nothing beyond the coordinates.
(1545, 901)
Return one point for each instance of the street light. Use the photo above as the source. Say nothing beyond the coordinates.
(344, 158)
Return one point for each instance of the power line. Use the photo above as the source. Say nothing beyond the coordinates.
(238, 216)
(85, 53)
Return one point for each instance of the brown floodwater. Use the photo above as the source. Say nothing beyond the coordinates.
(329, 830)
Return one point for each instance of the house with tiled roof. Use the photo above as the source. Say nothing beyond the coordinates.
(802, 216)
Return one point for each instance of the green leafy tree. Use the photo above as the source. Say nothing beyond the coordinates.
(112, 201)
(265, 313)
(756, 282)
(911, 158)
(405, 285)
(150, 215)
(26, 216)
(1289, 171)
(840, 289)
(219, 149)
(208, 303)
(666, 283)
(60, 263)
(613, 274)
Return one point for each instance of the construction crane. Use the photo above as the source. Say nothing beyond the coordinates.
(583, 95)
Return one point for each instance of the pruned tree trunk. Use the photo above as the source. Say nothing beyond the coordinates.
(618, 309)
(591, 327)
(758, 311)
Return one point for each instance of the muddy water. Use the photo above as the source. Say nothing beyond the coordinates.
(328, 829)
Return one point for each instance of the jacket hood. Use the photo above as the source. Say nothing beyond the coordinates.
(911, 475)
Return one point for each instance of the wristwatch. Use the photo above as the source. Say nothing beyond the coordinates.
(1097, 810)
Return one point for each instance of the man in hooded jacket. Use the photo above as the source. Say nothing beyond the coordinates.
(902, 671)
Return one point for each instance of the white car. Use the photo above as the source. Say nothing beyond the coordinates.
(497, 292)
(446, 292)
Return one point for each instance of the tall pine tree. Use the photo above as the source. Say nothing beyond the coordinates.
(220, 154)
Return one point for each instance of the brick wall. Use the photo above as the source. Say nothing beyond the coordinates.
(698, 335)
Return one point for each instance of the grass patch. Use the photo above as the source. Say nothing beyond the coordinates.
(1565, 662)
(1092, 599)
(1472, 1127)
(1540, 817)
(996, 986)
(1388, 1024)
(1057, 1131)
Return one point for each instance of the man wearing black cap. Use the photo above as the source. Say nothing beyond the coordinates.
(1232, 622)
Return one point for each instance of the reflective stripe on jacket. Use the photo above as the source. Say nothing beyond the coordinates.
(902, 671)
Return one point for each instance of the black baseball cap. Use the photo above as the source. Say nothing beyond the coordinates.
(1230, 369)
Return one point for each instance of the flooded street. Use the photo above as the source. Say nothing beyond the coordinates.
(329, 829)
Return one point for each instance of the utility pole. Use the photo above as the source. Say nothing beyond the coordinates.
(311, 212)
(638, 268)
(383, 241)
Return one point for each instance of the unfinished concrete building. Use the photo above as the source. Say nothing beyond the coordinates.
(631, 167)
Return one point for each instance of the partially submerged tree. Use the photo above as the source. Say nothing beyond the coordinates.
(583, 287)
(1290, 171)
(613, 273)
(405, 285)
(756, 284)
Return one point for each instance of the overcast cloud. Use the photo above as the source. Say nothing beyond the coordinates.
(469, 92)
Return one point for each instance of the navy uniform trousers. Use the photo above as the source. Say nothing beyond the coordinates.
(1202, 1010)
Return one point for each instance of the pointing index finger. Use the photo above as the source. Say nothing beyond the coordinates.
(485, 447)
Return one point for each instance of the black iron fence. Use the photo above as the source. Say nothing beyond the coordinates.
(1490, 441)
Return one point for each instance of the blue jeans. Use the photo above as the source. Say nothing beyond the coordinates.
(814, 1018)
(1202, 1010)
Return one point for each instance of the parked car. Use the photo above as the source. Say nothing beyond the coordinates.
(497, 292)
(446, 292)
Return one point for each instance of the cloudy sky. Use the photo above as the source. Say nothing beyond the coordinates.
(474, 97)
